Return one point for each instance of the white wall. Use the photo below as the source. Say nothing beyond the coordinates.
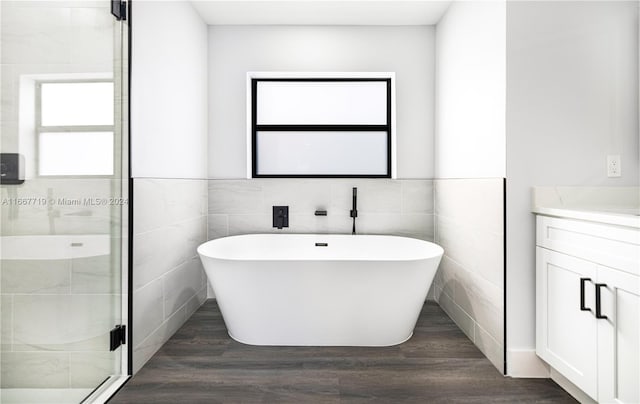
(169, 91)
(234, 50)
(572, 98)
(470, 86)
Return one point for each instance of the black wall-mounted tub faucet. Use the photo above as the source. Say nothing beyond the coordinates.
(354, 209)
(280, 216)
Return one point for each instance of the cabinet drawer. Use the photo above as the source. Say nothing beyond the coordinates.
(613, 246)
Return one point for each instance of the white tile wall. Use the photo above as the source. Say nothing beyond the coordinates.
(87, 369)
(154, 341)
(400, 207)
(492, 348)
(148, 310)
(36, 276)
(190, 276)
(61, 322)
(152, 260)
(170, 221)
(6, 321)
(417, 197)
(36, 35)
(58, 218)
(148, 346)
(35, 369)
(90, 28)
(469, 284)
(49, 369)
(95, 275)
(218, 226)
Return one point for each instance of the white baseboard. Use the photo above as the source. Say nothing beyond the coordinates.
(525, 363)
(571, 388)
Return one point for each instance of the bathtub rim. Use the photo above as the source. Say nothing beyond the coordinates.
(437, 253)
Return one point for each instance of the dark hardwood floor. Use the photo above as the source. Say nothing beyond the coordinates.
(202, 364)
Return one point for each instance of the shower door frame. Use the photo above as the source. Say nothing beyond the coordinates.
(105, 391)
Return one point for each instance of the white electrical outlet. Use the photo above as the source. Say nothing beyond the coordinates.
(614, 165)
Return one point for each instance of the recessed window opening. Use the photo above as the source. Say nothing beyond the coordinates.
(75, 128)
(325, 127)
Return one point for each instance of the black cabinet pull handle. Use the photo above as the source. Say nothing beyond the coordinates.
(599, 300)
(583, 307)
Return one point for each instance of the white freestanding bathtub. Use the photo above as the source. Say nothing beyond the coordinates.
(337, 290)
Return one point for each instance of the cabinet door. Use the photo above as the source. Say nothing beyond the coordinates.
(619, 337)
(566, 336)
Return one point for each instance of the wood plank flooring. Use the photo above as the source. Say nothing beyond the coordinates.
(202, 364)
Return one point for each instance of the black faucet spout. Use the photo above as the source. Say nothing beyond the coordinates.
(354, 209)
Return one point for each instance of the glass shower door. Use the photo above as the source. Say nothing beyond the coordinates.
(63, 200)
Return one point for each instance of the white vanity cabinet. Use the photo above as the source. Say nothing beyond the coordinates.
(619, 338)
(566, 335)
(588, 305)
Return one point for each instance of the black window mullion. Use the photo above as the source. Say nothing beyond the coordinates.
(323, 79)
(254, 128)
(389, 142)
(323, 128)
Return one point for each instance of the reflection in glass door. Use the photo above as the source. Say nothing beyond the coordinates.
(63, 200)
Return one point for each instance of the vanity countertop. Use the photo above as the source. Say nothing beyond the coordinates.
(619, 216)
(619, 206)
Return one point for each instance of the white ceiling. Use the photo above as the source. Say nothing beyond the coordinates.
(321, 12)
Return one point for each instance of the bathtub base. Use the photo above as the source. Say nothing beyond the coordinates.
(295, 303)
(357, 291)
(315, 344)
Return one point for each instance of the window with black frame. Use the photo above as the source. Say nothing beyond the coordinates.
(321, 127)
